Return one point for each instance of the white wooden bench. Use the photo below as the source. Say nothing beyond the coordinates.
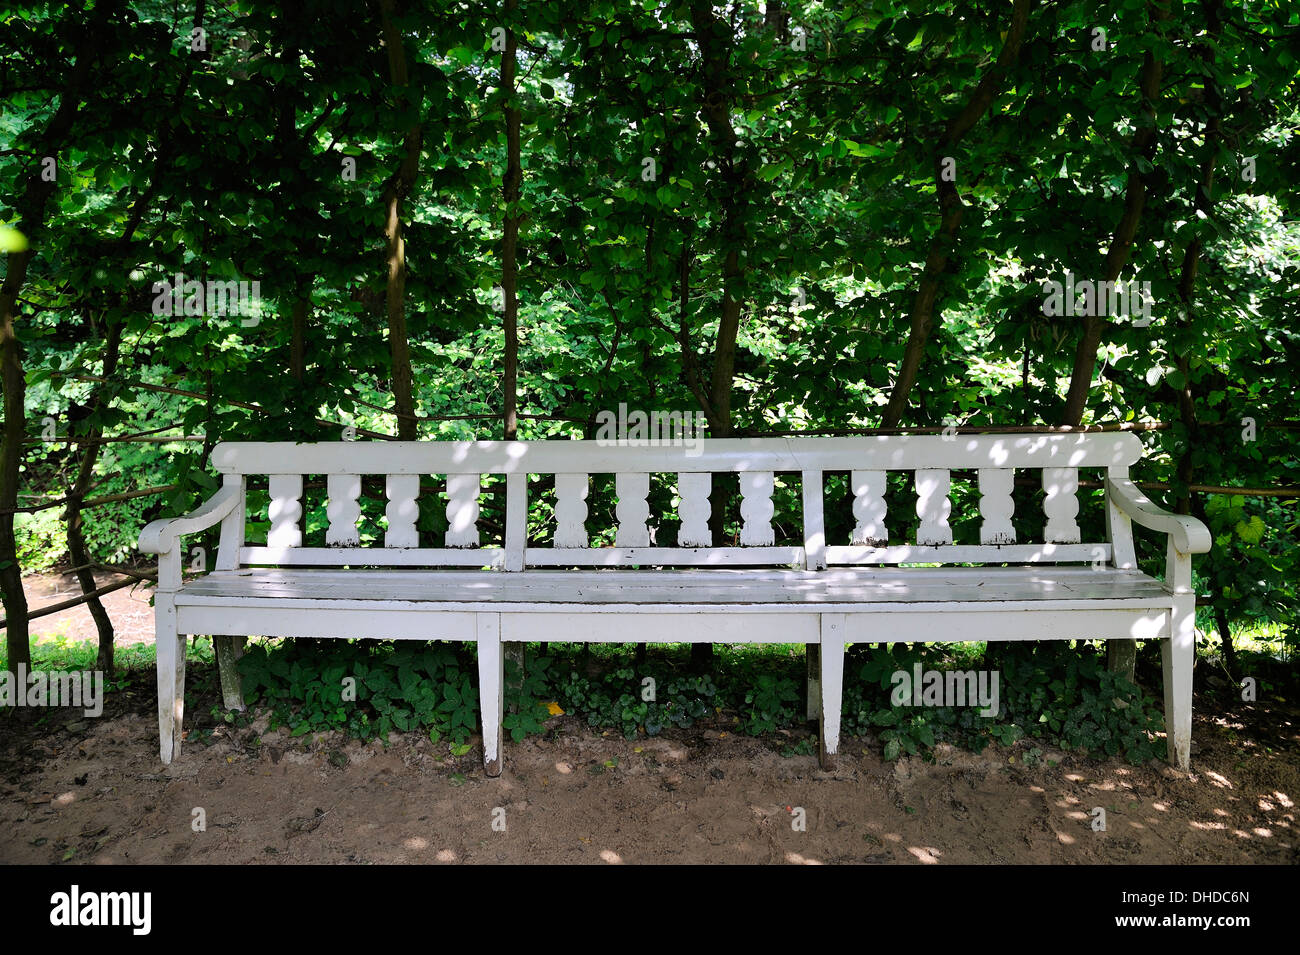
(821, 593)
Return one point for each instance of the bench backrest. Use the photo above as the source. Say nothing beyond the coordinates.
(461, 466)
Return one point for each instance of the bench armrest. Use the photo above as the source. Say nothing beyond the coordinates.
(1190, 536)
(163, 537)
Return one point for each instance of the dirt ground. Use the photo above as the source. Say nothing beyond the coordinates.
(74, 790)
(128, 608)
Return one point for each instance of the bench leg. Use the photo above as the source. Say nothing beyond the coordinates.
(812, 657)
(491, 680)
(1178, 654)
(228, 650)
(171, 678)
(831, 654)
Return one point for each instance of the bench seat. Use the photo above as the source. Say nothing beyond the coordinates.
(679, 591)
(881, 605)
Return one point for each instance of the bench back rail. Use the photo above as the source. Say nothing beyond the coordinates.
(756, 462)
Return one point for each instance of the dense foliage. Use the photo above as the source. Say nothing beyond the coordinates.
(477, 220)
(1057, 694)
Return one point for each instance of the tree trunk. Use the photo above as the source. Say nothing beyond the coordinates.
(776, 19)
(228, 648)
(1121, 658)
(11, 455)
(398, 187)
(1225, 638)
(1122, 654)
(690, 361)
(510, 188)
(298, 341)
(1188, 501)
(510, 230)
(77, 549)
(714, 37)
(921, 316)
(30, 221)
(1144, 144)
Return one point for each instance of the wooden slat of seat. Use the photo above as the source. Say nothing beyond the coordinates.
(670, 587)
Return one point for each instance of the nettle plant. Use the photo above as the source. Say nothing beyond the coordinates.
(772, 702)
(362, 689)
(619, 699)
(526, 695)
(900, 730)
(1069, 697)
(1052, 692)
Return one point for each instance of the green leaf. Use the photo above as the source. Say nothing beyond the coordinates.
(1252, 531)
(11, 240)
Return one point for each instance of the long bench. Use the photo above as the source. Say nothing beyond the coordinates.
(866, 587)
